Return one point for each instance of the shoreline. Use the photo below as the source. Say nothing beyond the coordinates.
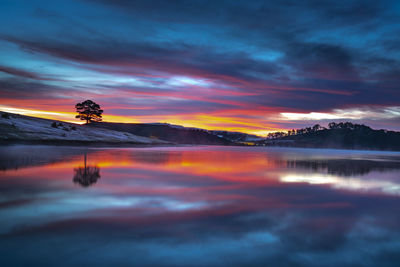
(133, 144)
(57, 142)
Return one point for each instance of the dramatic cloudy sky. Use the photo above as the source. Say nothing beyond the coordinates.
(252, 66)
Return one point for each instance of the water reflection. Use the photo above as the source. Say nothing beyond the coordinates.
(197, 206)
(345, 167)
(357, 184)
(86, 175)
(22, 156)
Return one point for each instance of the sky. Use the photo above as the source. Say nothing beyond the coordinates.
(249, 66)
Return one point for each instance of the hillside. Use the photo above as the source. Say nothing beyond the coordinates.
(171, 133)
(17, 128)
(237, 137)
(348, 136)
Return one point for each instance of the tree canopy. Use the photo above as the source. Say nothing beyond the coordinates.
(317, 127)
(89, 111)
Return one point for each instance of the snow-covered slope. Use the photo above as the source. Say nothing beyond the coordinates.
(19, 127)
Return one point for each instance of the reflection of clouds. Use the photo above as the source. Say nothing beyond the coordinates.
(357, 184)
(310, 178)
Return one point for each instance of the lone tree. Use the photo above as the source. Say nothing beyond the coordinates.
(88, 111)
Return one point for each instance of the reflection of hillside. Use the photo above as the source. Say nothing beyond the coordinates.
(344, 167)
(15, 157)
(86, 175)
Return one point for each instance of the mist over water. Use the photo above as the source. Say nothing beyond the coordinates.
(198, 206)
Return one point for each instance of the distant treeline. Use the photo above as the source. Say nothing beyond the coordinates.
(317, 127)
(338, 135)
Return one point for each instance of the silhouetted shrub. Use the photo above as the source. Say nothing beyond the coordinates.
(73, 128)
(5, 116)
(60, 124)
(54, 125)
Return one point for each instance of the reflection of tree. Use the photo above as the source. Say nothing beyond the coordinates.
(87, 175)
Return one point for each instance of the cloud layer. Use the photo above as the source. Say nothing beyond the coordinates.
(233, 65)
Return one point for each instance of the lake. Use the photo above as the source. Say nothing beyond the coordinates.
(198, 206)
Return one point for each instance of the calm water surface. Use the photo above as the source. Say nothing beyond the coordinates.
(198, 206)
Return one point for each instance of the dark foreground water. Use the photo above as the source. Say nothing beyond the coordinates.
(198, 206)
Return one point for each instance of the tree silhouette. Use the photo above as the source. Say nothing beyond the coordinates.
(316, 127)
(89, 111)
(87, 175)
